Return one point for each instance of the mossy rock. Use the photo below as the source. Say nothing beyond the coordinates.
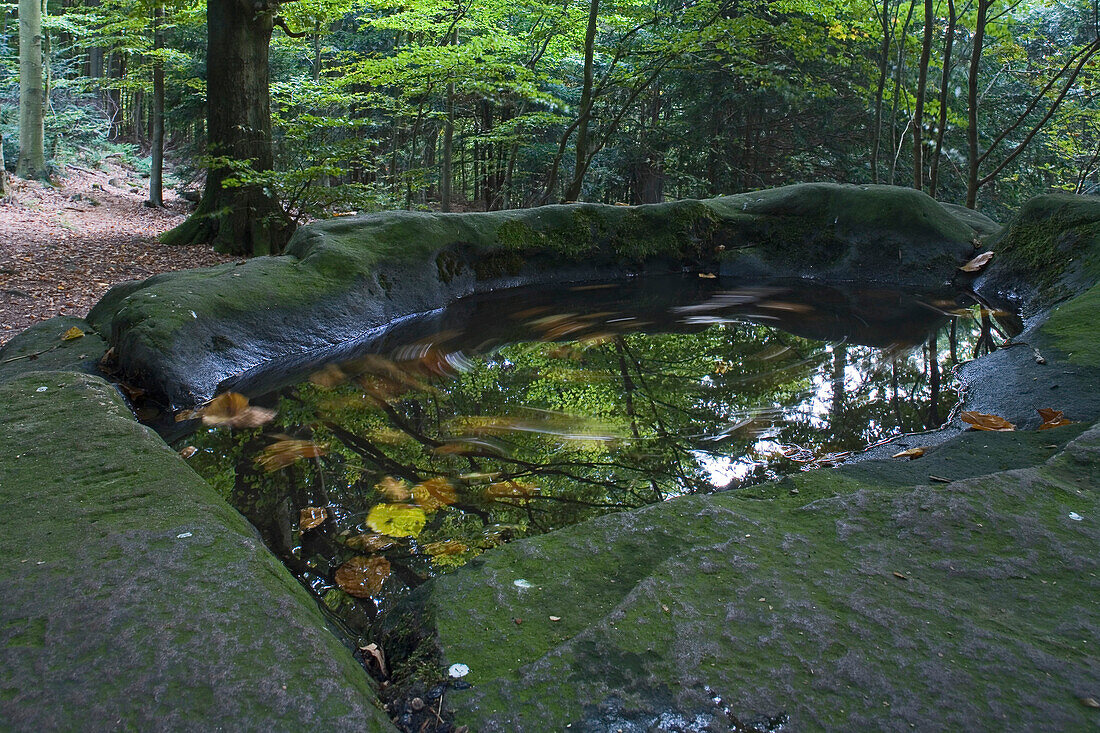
(44, 347)
(135, 598)
(180, 335)
(848, 599)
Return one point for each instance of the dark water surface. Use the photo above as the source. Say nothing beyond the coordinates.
(520, 412)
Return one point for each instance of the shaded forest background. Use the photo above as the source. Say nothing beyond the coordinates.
(457, 105)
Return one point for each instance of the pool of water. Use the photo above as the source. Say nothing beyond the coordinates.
(520, 412)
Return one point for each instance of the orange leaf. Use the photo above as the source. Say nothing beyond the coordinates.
(1052, 418)
(370, 542)
(311, 516)
(978, 262)
(285, 452)
(910, 454)
(363, 577)
(434, 494)
(981, 421)
(393, 489)
(232, 410)
(445, 547)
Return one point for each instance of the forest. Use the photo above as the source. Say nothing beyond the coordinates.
(278, 113)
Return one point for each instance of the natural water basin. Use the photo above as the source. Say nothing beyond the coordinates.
(520, 412)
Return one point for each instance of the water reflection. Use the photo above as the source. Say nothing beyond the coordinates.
(515, 414)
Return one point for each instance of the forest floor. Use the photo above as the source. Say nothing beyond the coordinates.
(63, 247)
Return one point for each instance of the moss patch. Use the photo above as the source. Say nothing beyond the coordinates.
(1073, 329)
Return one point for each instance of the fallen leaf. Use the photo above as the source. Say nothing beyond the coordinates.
(397, 520)
(370, 542)
(285, 452)
(435, 493)
(555, 618)
(900, 576)
(188, 451)
(707, 275)
(394, 489)
(363, 577)
(72, 334)
(1090, 702)
(510, 489)
(978, 262)
(1052, 418)
(233, 411)
(910, 454)
(981, 421)
(311, 516)
(445, 548)
(374, 651)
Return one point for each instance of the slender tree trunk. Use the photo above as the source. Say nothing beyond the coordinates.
(945, 80)
(3, 171)
(932, 417)
(446, 173)
(32, 97)
(922, 85)
(156, 173)
(972, 106)
(884, 59)
(899, 71)
(573, 192)
(242, 220)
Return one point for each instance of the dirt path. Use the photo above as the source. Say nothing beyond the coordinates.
(61, 249)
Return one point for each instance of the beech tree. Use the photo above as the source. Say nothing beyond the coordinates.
(32, 92)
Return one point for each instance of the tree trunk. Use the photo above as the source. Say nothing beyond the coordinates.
(922, 85)
(972, 106)
(32, 98)
(156, 173)
(945, 80)
(573, 192)
(3, 171)
(241, 220)
(884, 58)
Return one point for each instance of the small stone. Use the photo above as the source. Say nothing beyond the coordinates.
(416, 704)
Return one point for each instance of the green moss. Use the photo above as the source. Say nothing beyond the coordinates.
(516, 234)
(498, 264)
(1074, 330)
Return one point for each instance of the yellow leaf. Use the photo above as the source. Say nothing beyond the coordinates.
(981, 421)
(978, 262)
(397, 520)
(232, 410)
(1052, 418)
(445, 547)
(363, 577)
(311, 516)
(394, 489)
(285, 452)
(910, 454)
(72, 334)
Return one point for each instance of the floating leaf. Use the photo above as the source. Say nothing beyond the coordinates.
(370, 542)
(394, 489)
(285, 452)
(433, 494)
(72, 334)
(311, 516)
(504, 489)
(188, 451)
(978, 262)
(397, 520)
(1052, 418)
(910, 454)
(445, 548)
(981, 421)
(232, 410)
(363, 577)
(707, 275)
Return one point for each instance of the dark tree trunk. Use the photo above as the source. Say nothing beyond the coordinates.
(972, 106)
(241, 220)
(922, 86)
(156, 173)
(945, 78)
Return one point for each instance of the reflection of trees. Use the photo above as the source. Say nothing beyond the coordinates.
(540, 435)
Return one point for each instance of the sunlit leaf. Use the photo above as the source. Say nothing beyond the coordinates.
(363, 577)
(981, 421)
(72, 334)
(394, 489)
(504, 489)
(285, 452)
(910, 454)
(370, 542)
(978, 262)
(434, 494)
(311, 516)
(1052, 418)
(233, 411)
(397, 520)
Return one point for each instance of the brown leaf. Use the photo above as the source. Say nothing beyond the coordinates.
(311, 516)
(1052, 418)
(434, 493)
(981, 421)
(445, 548)
(285, 452)
(370, 542)
(976, 264)
(899, 576)
(910, 454)
(505, 489)
(363, 577)
(374, 651)
(394, 489)
(232, 410)
(188, 451)
(72, 334)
